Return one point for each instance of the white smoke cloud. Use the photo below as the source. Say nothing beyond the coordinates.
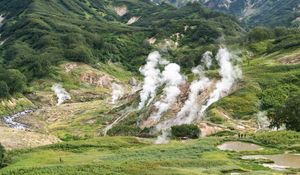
(173, 79)
(262, 120)
(207, 59)
(164, 137)
(117, 92)
(61, 93)
(152, 77)
(191, 108)
(229, 73)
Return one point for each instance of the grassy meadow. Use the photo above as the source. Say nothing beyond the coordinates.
(129, 155)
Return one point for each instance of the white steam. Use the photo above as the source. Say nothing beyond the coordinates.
(191, 107)
(173, 79)
(262, 120)
(117, 93)
(229, 73)
(152, 77)
(61, 93)
(164, 137)
(207, 59)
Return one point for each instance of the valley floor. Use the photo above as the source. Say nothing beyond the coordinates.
(89, 112)
(129, 155)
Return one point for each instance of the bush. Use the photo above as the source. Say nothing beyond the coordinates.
(12, 81)
(4, 90)
(190, 131)
(275, 97)
(278, 138)
(260, 34)
(2, 156)
(288, 114)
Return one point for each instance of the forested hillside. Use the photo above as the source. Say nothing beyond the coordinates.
(39, 34)
(253, 12)
(149, 87)
(257, 12)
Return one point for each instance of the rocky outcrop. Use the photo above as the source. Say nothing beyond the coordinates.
(208, 129)
(103, 81)
(70, 67)
(133, 20)
(121, 11)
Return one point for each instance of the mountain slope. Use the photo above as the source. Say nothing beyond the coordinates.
(254, 12)
(39, 34)
(69, 75)
(257, 12)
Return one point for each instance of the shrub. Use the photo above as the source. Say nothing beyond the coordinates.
(4, 90)
(275, 97)
(288, 114)
(278, 138)
(2, 156)
(260, 34)
(190, 131)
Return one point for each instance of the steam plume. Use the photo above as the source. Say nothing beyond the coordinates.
(229, 74)
(190, 109)
(61, 93)
(163, 138)
(117, 92)
(207, 59)
(172, 78)
(152, 77)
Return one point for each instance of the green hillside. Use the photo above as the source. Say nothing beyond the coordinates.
(40, 34)
(254, 12)
(267, 13)
(72, 77)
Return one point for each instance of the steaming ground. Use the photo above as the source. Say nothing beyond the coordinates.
(171, 79)
(57, 115)
(61, 93)
(90, 111)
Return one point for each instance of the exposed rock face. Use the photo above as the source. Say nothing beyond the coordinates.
(133, 82)
(121, 11)
(70, 67)
(295, 59)
(103, 81)
(209, 129)
(133, 20)
(152, 40)
(1, 20)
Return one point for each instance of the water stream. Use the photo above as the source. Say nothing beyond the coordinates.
(12, 121)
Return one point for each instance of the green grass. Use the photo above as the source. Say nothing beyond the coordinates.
(15, 105)
(262, 75)
(128, 155)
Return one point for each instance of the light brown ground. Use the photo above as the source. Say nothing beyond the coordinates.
(13, 139)
(294, 59)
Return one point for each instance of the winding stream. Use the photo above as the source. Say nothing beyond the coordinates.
(12, 120)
